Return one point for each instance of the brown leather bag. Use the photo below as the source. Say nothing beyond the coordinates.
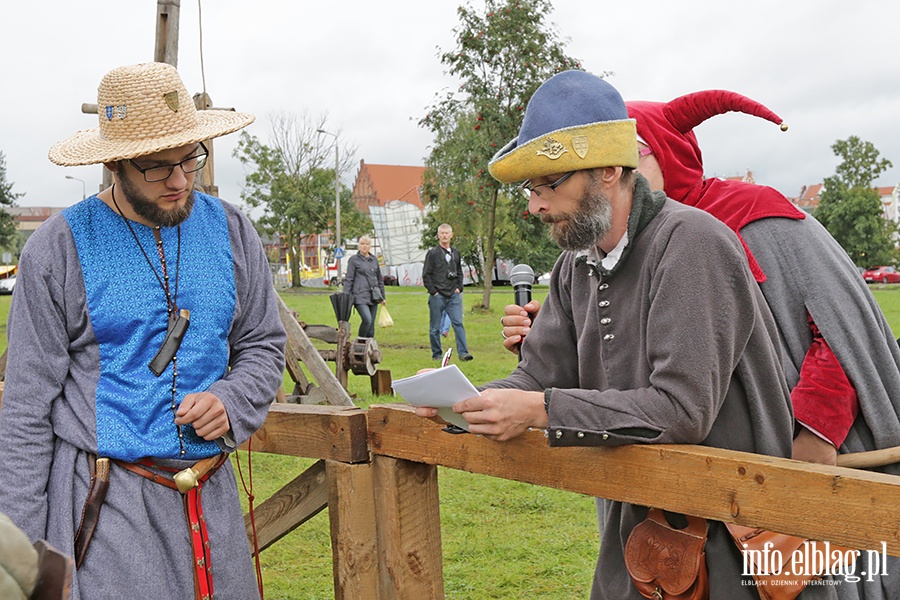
(667, 563)
(783, 585)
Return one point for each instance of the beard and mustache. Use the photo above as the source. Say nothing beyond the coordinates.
(583, 228)
(149, 210)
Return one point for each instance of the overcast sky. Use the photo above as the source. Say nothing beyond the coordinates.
(829, 68)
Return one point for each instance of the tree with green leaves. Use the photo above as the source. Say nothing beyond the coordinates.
(503, 53)
(7, 198)
(850, 208)
(292, 180)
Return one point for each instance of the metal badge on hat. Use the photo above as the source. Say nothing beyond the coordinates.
(552, 149)
(580, 145)
(116, 112)
(172, 100)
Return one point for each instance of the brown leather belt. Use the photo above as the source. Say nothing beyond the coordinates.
(137, 469)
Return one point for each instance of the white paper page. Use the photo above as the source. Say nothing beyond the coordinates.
(440, 388)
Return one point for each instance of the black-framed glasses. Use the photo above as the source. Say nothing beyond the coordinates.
(191, 164)
(551, 187)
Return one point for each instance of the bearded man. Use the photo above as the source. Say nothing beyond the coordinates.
(654, 330)
(108, 390)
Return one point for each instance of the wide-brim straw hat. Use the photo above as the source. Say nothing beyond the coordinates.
(144, 109)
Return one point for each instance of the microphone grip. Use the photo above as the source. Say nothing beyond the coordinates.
(523, 297)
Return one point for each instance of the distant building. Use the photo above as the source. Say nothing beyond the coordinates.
(392, 196)
(28, 219)
(889, 199)
(809, 198)
(746, 178)
(376, 185)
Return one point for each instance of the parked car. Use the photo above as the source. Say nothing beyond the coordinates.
(881, 275)
(7, 285)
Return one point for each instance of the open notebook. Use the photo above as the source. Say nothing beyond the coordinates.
(440, 388)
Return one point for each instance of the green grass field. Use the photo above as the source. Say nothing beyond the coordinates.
(501, 539)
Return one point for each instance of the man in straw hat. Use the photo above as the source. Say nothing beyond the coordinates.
(653, 331)
(144, 338)
(840, 358)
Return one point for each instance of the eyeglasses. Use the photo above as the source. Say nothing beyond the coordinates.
(192, 164)
(550, 192)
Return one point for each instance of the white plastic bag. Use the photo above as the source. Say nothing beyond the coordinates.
(384, 317)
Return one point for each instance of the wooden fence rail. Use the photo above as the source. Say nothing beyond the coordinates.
(390, 547)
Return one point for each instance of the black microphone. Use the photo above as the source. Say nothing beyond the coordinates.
(521, 277)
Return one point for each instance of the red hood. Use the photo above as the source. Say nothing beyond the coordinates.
(667, 129)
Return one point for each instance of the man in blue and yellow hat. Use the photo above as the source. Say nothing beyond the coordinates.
(654, 330)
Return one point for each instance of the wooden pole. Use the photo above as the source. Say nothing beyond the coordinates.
(207, 176)
(354, 527)
(407, 512)
(167, 14)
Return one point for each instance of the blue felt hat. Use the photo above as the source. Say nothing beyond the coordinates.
(574, 121)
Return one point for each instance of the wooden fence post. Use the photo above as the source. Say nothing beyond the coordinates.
(407, 514)
(351, 511)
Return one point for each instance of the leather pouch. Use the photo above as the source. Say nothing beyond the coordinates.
(759, 544)
(666, 563)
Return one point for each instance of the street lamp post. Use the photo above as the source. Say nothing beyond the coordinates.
(83, 187)
(337, 201)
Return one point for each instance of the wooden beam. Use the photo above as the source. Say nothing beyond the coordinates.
(326, 333)
(323, 432)
(288, 508)
(167, 16)
(351, 511)
(292, 361)
(749, 489)
(407, 512)
(297, 338)
(207, 175)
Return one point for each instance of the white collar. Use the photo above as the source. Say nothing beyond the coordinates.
(596, 256)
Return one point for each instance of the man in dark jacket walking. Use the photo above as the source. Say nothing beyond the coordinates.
(442, 276)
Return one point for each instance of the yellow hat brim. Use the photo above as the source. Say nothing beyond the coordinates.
(604, 144)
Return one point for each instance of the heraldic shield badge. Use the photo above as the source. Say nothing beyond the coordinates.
(580, 145)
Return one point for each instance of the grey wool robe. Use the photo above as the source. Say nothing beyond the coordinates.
(807, 271)
(674, 345)
(62, 397)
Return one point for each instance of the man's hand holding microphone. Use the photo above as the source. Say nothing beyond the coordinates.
(519, 316)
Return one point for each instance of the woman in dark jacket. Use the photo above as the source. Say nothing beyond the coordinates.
(365, 285)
